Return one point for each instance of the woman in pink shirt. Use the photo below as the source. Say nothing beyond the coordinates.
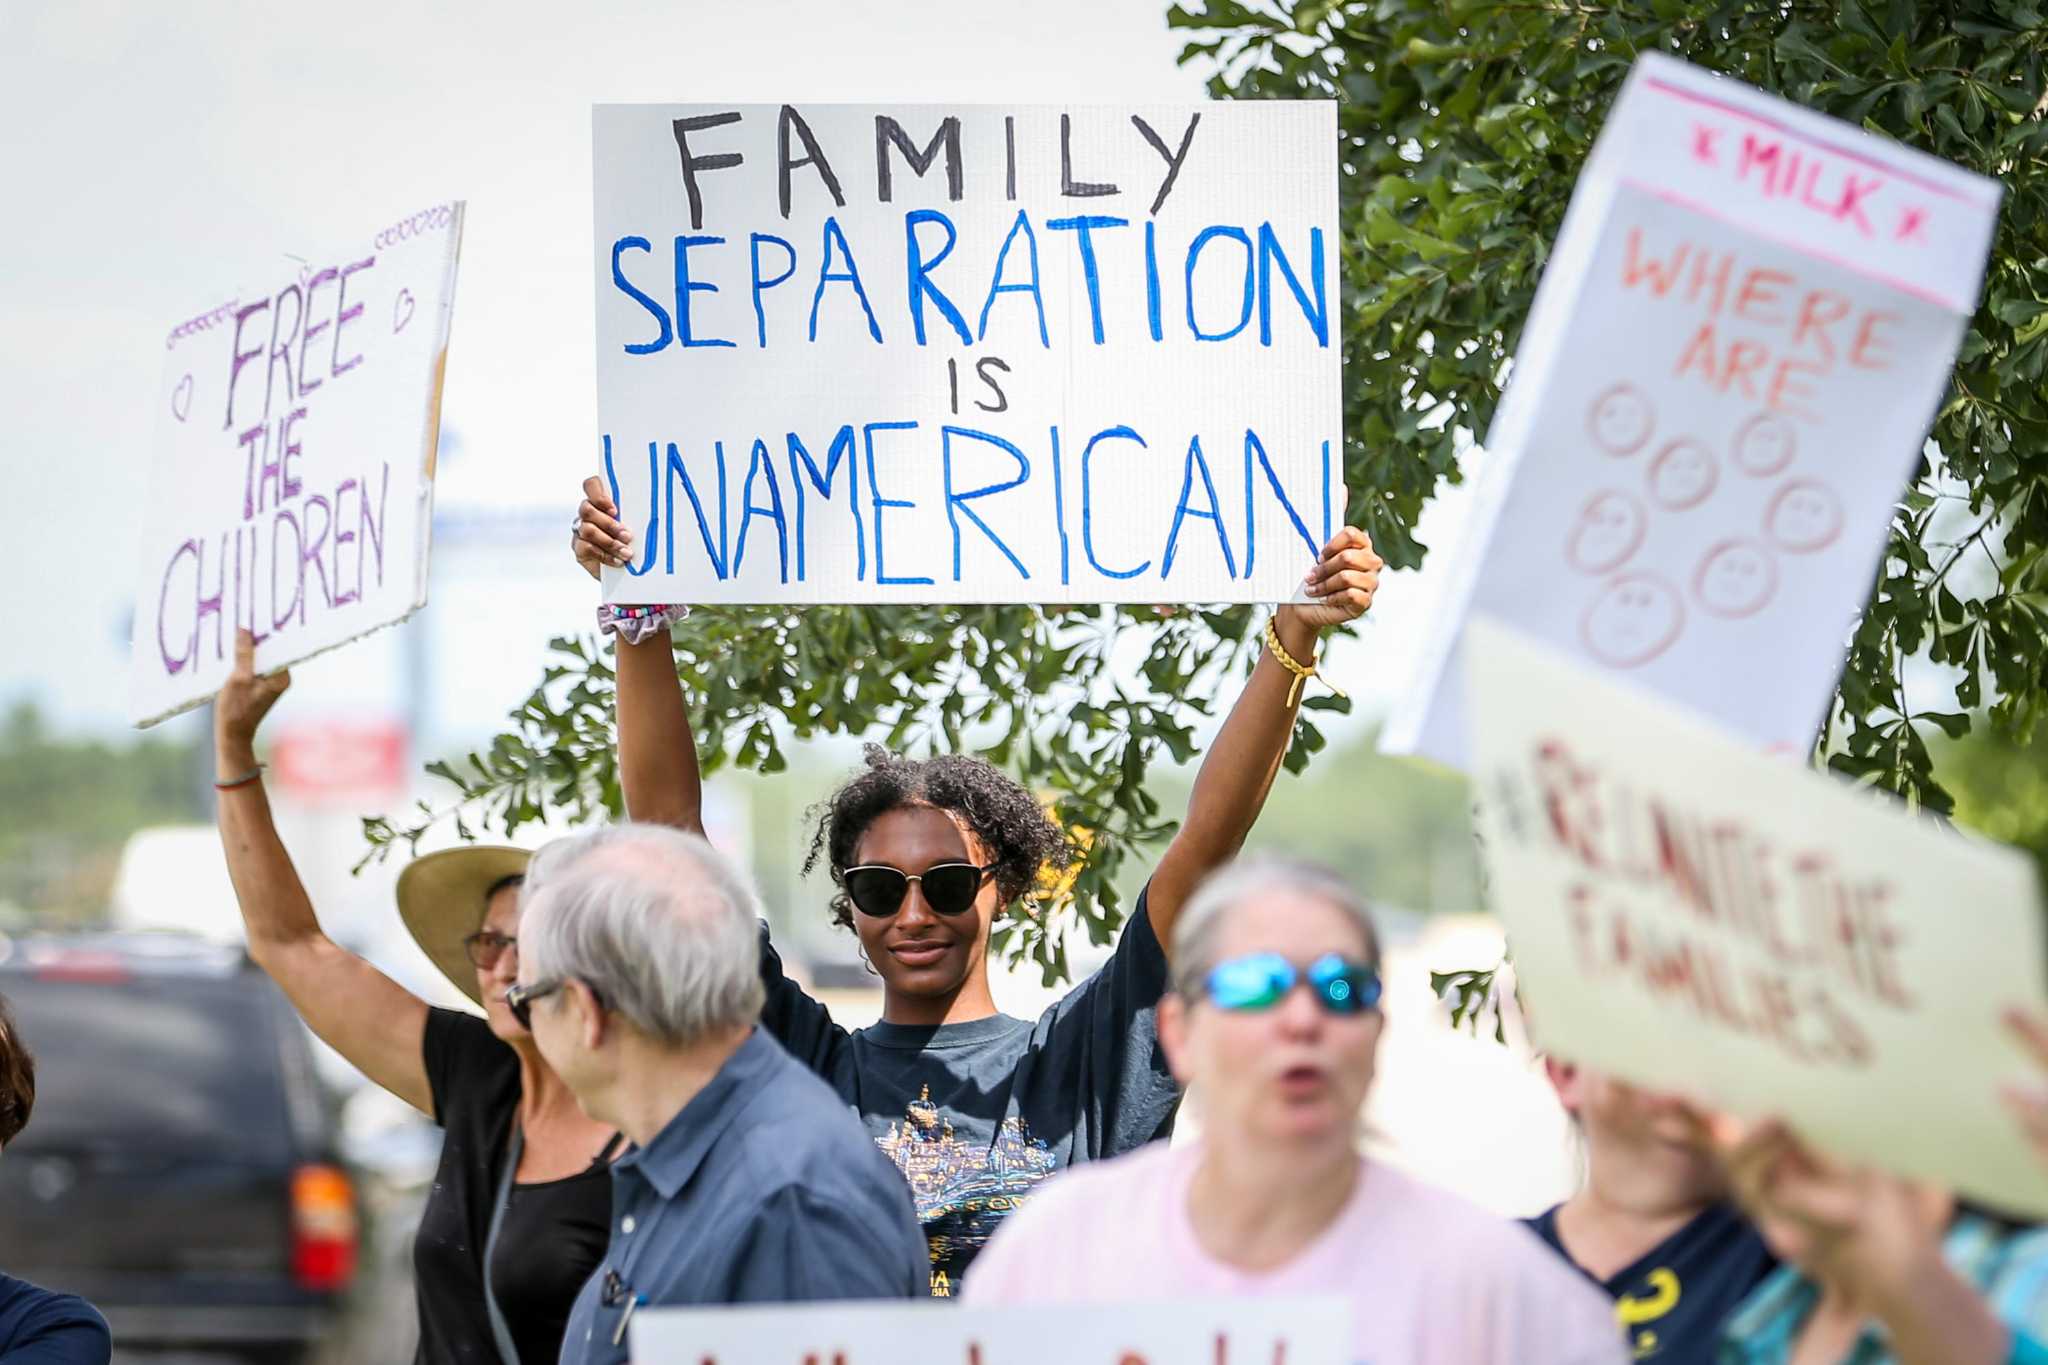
(1274, 1017)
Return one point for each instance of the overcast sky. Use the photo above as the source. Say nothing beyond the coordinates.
(155, 155)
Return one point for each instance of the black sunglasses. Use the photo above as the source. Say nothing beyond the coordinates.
(486, 946)
(949, 888)
(519, 999)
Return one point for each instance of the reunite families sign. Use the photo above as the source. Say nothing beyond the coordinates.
(959, 353)
(1726, 380)
(292, 492)
(1682, 908)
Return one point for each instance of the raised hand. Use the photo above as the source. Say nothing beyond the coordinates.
(600, 538)
(1343, 582)
(244, 700)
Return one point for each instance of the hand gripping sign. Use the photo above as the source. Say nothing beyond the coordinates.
(1726, 380)
(961, 353)
(1695, 916)
(292, 492)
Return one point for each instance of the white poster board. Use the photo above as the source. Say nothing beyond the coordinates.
(1730, 370)
(292, 489)
(1692, 915)
(968, 353)
(1310, 1331)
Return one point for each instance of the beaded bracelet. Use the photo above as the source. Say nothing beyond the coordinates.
(637, 623)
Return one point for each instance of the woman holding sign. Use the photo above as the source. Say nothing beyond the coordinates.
(524, 1184)
(975, 1107)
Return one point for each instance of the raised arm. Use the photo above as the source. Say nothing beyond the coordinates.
(657, 753)
(354, 1008)
(1238, 770)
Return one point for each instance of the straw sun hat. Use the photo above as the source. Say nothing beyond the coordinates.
(441, 900)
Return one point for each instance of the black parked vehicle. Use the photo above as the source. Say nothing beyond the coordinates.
(177, 1171)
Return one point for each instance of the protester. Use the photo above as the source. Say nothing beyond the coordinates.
(38, 1327)
(975, 1107)
(748, 1181)
(1653, 1225)
(522, 1185)
(1882, 1270)
(1274, 1020)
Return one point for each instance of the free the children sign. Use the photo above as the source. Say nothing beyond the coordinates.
(292, 492)
(1697, 917)
(1310, 1331)
(1727, 379)
(960, 353)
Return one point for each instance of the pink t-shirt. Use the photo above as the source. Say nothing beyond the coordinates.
(1432, 1279)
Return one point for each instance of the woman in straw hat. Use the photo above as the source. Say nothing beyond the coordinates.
(524, 1182)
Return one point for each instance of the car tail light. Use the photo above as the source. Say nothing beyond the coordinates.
(82, 966)
(324, 1231)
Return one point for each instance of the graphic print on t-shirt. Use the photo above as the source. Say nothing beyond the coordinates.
(1660, 1294)
(1673, 1300)
(963, 1191)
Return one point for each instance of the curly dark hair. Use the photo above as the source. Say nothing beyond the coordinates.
(1004, 816)
(17, 1077)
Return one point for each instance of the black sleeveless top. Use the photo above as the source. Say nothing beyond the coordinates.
(554, 1233)
(553, 1237)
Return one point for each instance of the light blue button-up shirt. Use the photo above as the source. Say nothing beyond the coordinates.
(762, 1189)
(2010, 1269)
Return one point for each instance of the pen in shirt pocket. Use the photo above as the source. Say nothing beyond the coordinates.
(619, 1332)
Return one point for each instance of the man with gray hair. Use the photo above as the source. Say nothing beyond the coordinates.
(750, 1182)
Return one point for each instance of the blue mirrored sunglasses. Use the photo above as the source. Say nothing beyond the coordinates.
(1262, 980)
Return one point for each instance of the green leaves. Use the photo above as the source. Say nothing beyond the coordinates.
(1029, 688)
(1464, 126)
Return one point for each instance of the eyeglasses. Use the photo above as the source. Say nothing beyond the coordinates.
(1262, 980)
(486, 946)
(519, 999)
(949, 888)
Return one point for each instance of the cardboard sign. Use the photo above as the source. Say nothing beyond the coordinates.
(1692, 915)
(1730, 370)
(962, 353)
(292, 492)
(1313, 1331)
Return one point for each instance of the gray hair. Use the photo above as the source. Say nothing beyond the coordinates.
(1263, 874)
(663, 927)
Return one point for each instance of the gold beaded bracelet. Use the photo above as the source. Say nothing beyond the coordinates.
(1302, 671)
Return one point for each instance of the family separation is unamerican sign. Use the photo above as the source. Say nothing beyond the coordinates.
(968, 353)
(1726, 381)
(292, 489)
(1693, 915)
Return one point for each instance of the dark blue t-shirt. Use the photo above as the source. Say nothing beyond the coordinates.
(1672, 1302)
(977, 1115)
(38, 1327)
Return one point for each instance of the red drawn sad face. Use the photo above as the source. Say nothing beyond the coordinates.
(1621, 420)
(1610, 528)
(1764, 445)
(1804, 516)
(1736, 578)
(1633, 620)
(1683, 475)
